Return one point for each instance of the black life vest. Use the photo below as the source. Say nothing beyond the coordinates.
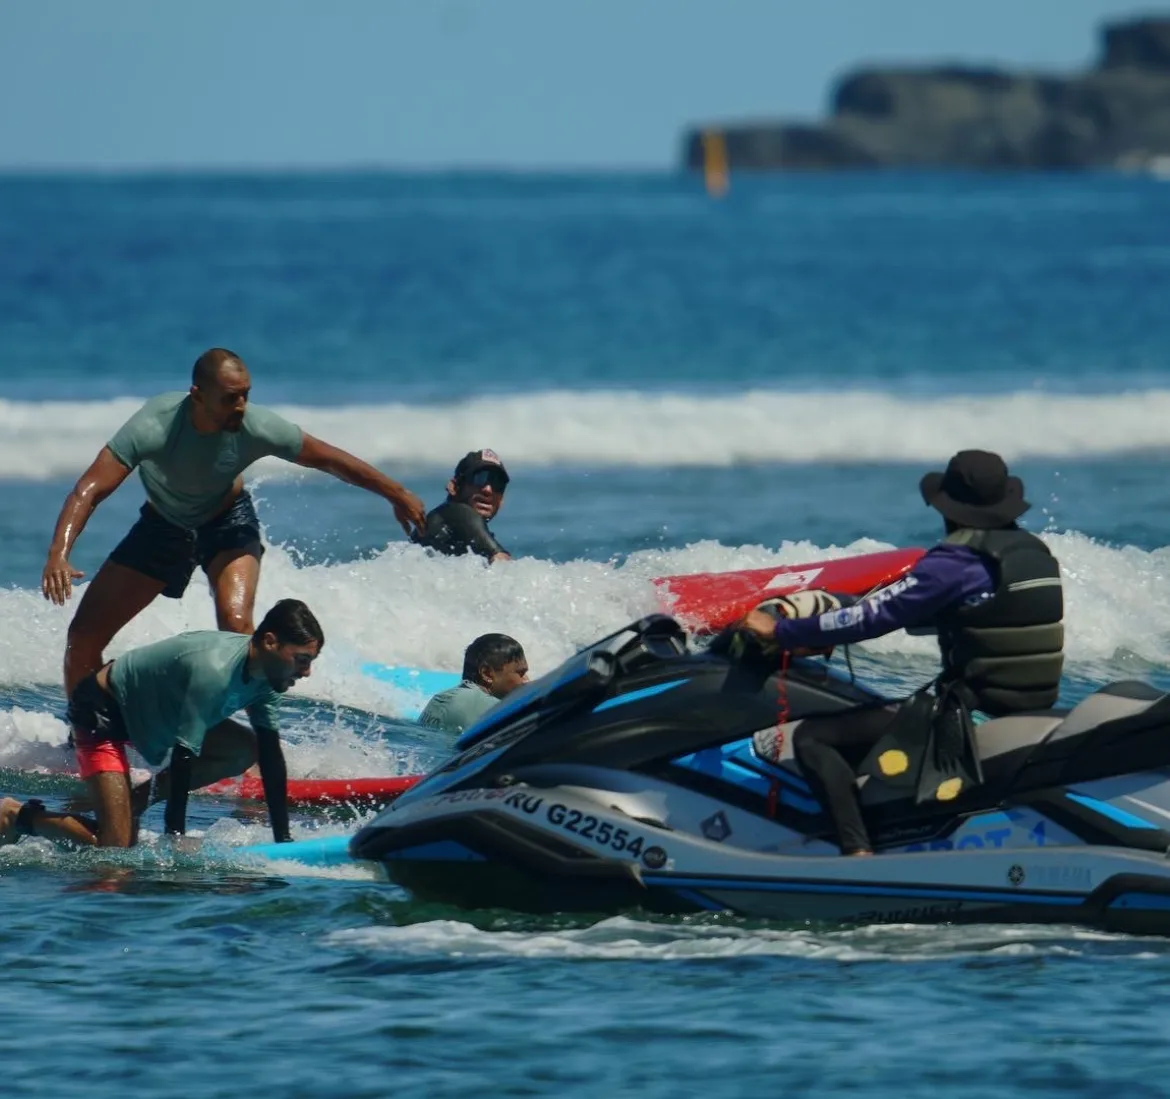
(1006, 653)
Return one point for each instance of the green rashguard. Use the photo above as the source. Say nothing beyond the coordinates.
(170, 693)
(187, 473)
(457, 708)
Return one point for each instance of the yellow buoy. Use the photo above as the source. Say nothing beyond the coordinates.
(715, 163)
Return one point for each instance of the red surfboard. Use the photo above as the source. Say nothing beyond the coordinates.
(319, 791)
(712, 600)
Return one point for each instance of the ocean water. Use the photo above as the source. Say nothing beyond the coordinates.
(676, 384)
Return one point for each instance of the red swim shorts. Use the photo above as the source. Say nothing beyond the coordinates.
(96, 754)
(99, 735)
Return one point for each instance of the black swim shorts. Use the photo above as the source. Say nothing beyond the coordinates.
(165, 552)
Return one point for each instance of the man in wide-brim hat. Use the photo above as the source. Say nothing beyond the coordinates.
(976, 491)
(993, 594)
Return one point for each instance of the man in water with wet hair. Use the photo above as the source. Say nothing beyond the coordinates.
(176, 697)
(475, 493)
(494, 665)
(190, 450)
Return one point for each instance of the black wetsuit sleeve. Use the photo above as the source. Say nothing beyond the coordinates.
(454, 528)
(274, 777)
(175, 818)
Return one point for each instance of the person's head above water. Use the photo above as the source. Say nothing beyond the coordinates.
(479, 481)
(286, 643)
(496, 662)
(976, 491)
(220, 385)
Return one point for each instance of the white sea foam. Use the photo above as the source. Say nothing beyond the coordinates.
(621, 938)
(404, 607)
(40, 440)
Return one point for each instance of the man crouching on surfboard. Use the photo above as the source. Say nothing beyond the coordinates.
(177, 696)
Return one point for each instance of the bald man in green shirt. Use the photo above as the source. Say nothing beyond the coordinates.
(190, 449)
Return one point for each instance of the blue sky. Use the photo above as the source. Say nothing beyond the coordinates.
(464, 83)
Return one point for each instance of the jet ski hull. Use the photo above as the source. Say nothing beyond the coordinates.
(641, 775)
(550, 849)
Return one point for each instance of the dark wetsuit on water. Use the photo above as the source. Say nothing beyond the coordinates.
(456, 528)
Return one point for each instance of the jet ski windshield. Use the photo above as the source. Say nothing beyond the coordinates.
(587, 675)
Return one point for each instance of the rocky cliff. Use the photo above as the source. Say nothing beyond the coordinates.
(1115, 115)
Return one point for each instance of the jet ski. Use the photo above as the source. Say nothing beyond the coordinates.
(646, 774)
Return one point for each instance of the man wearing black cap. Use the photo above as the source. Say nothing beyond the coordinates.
(474, 495)
(993, 594)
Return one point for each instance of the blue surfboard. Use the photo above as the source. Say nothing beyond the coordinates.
(326, 851)
(422, 683)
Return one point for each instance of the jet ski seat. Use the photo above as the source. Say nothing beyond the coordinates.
(1008, 744)
(1039, 742)
(1033, 749)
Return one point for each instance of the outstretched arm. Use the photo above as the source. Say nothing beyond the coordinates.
(408, 508)
(942, 578)
(95, 484)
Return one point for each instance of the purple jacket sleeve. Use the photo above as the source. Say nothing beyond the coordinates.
(944, 577)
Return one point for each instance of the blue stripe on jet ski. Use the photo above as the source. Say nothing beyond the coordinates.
(712, 762)
(1015, 897)
(742, 755)
(440, 851)
(1149, 901)
(1110, 811)
(698, 899)
(724, 763)
(633, 696)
